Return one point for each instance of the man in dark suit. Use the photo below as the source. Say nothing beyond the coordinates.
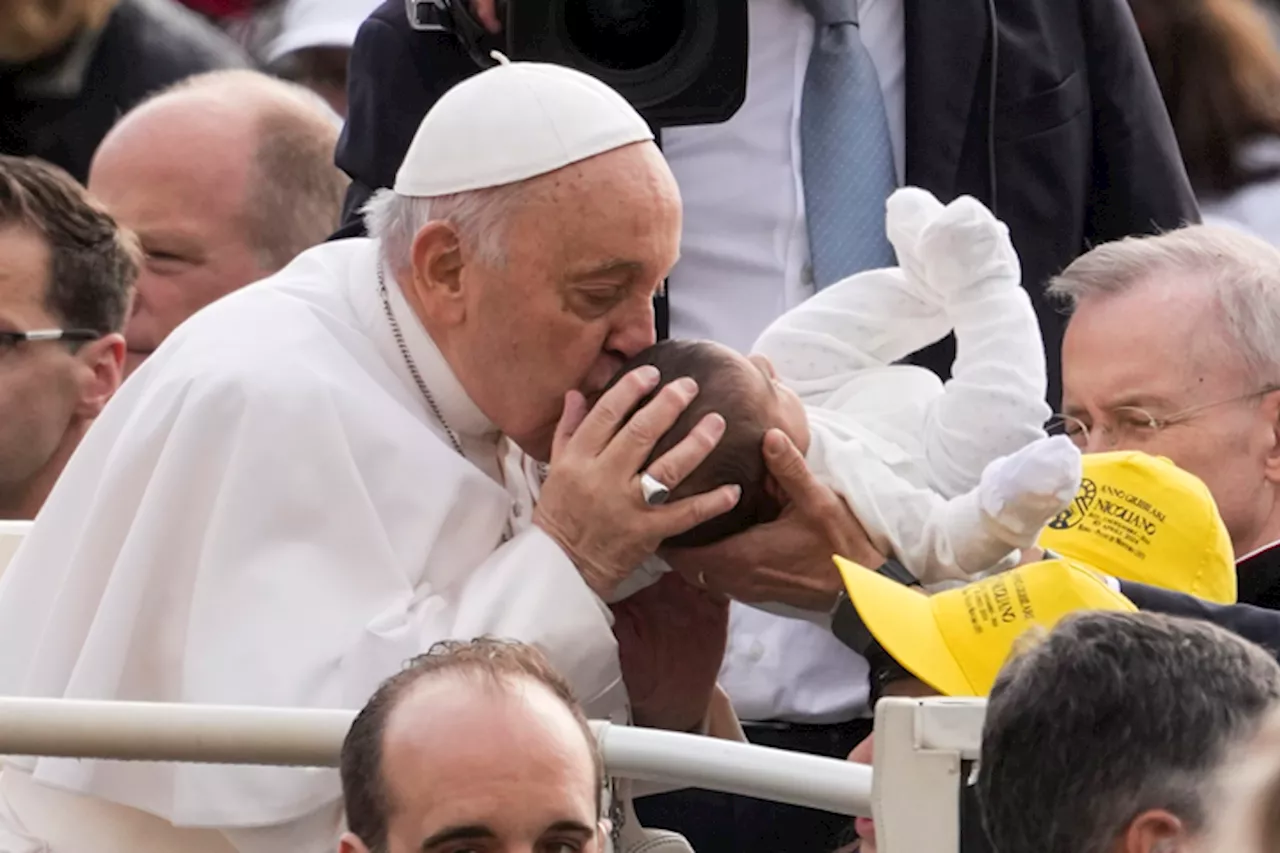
(69, 70)
(1058, 126)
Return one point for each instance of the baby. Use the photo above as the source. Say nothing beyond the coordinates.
(952, 479)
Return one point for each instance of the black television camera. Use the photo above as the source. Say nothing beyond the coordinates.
(678, 62)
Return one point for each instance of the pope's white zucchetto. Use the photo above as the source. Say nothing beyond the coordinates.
(512, 122)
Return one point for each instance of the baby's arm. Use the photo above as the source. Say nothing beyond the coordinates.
(867, 321)
(938, 539)
(994, 402)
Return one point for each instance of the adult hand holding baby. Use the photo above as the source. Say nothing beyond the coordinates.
(592, 503)
(787, 561)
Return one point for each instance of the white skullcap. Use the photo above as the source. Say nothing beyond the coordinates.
(319, 23)
(511, 122)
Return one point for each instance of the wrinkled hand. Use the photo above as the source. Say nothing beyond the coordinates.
(787, 561)
(671, 642)
(486, 11)
(591, 503)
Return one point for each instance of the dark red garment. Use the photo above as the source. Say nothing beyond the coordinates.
(221, 8)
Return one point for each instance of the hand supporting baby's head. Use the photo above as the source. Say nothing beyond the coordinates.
(741, 393)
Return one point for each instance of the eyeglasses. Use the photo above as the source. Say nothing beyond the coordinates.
(10, 340)
(1134, 424)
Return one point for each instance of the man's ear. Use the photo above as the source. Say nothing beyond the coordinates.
(1270, 410)
(603, 828)
(351, 844)
(436, 274)
(1153, 831)
(103, 371)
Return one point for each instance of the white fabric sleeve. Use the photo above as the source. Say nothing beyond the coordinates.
(994, 402)
(867, 321)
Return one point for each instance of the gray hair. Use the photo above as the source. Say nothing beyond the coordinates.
(1112, 715)
(1240, 272)
(480, 217)
(295, 190)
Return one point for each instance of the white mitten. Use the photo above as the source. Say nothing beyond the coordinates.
(966, 253)
(908, 212)
(1020, 493)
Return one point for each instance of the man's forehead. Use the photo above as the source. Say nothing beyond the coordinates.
(24, 268)
(1157, 341)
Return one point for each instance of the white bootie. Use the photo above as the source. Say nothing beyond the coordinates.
(966, 252)
(1019, 494)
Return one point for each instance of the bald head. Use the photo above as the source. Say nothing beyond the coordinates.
(475, 744)
(224, 178)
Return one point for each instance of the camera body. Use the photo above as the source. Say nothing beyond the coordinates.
(678, 62)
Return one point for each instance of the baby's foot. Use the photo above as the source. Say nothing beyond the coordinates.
(965, 250)
(1020, 493)
(908, 213)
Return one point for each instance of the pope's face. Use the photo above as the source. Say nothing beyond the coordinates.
(586, 252)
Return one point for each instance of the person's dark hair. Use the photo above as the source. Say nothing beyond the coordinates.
(1109, 716)
(500, 661)
(737, 459)
(93, 264)
(1219, 71)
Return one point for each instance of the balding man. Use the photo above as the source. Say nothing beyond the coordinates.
(224, 178)
(1172, 349)
(476, 745)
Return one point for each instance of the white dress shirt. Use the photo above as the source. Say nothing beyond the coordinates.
(745, 247)
(744, 261)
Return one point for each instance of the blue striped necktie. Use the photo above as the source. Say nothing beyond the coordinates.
(846, 152)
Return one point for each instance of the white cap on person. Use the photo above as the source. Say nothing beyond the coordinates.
(512, 122)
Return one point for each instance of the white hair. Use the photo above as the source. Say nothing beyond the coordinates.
(1240, 272)
(480, 217)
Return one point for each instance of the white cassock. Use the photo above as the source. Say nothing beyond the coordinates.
(268, 513)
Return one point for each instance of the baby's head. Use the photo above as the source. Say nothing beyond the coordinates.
(746, 393)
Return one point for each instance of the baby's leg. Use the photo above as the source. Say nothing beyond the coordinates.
(994, 403)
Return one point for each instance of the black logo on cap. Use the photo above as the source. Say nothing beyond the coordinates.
(1074, 514)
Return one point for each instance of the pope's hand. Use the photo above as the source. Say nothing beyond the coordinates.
(487, 12)
(671, 641)
(787, 561)
(592, 504)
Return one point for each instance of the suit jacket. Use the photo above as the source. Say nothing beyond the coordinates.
(1083, 149)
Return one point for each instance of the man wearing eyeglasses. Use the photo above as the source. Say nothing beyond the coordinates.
(1173, 348)
(66, 272)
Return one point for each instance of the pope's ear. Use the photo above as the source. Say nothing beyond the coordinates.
(437, 263)
(1270, 412)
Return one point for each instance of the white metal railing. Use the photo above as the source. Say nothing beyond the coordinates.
(313, 738)
(913, 791)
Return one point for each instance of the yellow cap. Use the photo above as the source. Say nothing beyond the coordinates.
(1144, 519)
(956, 641)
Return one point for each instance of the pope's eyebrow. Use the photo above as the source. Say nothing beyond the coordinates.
(608, 268)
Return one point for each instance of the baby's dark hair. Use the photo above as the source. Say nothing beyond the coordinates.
(723, 388)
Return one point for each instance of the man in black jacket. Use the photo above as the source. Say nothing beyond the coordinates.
(64, 83)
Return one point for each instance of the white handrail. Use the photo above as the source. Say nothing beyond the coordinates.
(142, 731)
